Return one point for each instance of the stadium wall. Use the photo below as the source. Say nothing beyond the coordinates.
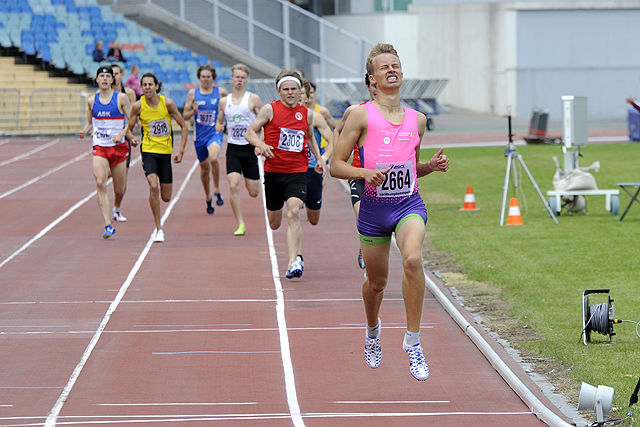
(517, 56)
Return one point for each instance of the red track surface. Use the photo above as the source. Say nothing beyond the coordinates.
(193, 337)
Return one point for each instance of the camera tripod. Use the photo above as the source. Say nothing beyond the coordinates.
(512, 154)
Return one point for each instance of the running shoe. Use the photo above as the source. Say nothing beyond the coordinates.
(295, 269)
(115, 213)
(361, 260)
(240, 231)
(158, 236)
(108, 231)
(372, 351)
(219, 200)
(417, 363)
(210, 209)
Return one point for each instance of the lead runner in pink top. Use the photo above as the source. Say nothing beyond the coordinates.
(388, 138)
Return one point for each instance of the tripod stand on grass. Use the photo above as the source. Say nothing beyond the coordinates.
(512, 154)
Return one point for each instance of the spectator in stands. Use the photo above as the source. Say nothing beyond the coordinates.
(133, 81)
(115, 54)
(98, 53)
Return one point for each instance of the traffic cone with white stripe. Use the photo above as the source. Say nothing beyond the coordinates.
(514, 217)
(469, 200)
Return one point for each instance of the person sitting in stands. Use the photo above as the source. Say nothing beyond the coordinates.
(98, 53)
(115, 54)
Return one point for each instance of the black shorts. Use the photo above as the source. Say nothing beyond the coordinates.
(280, 187)
(160, 164)
(357, 190)
(129, 156)
(314, 189)
(243, 160)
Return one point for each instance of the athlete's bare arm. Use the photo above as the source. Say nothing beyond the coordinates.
(438, 163)
(354, 132)
(124, 106)
(89, 124)
(190, 107)
(325, 131)
(326, 114)
(264, 116)
(133, 119)
(220, 120)
(312, 144)
(131, 94)
(173, 110)
(223, 92)
(340, 126)
(255, 103)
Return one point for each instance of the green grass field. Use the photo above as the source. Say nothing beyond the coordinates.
(542, 268)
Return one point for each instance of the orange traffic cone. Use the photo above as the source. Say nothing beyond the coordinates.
(469, 200)
(514, 217)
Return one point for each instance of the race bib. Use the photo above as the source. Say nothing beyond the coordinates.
(291, 140)
(159, 128)
(237, 132)
(399, 181)
(205, 117)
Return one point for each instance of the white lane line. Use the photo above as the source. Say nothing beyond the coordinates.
(54, 223)
(5, 141)
(44, 175)
(55, 411)
(28, 153)
(290, 384)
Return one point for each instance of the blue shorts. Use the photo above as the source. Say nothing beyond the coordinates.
(202, 150)
(378, 220)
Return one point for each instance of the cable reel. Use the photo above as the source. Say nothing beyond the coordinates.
(598, 318)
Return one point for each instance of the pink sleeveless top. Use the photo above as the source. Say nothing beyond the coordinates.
(391, 145)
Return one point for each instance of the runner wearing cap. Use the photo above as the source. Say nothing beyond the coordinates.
(106, 114)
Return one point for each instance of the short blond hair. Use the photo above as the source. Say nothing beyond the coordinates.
(240, 67)
(379, 49)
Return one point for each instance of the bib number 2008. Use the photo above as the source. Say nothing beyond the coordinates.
(291, 140)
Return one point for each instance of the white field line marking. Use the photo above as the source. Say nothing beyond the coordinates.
(28, 153)
(121, 419)
(38, 178)
(169, 331)
(54, 223)
(290, 384)
(55, 411)
(5, 141)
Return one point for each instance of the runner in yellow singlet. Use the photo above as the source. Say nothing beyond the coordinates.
(155, 112)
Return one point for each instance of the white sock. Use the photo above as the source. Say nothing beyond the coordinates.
(374, 332)
(411, 338)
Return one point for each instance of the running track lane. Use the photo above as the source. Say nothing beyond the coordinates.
(195, 338)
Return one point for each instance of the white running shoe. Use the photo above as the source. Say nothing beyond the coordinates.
(158, 236)
(115, 213)
(372, 351)
(417, 363)
(295, 269)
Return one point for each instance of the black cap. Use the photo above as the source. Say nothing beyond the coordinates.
(104, 69)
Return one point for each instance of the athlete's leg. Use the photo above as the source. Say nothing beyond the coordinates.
(165, 191)
(100, 173)
(154, 198)
(377, 261)
(313, 216)
(117, 202)
(214, 150)
(275, 218)
(294, 230)
(234, 179)
(205, 171)
(119, 175)
(410, 237)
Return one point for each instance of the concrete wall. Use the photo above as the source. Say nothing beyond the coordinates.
(517, 56)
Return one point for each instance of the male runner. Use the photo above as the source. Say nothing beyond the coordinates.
(155, 112)
(106, 114)
(118, 87)
(240, 108)
(315, 181)
(324, 111)
(288, 126)
(356, 186)
(388, 136)
(203, 103)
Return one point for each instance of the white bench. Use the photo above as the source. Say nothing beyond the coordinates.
(611, 203)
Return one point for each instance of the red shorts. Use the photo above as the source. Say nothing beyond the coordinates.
(116, 154)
